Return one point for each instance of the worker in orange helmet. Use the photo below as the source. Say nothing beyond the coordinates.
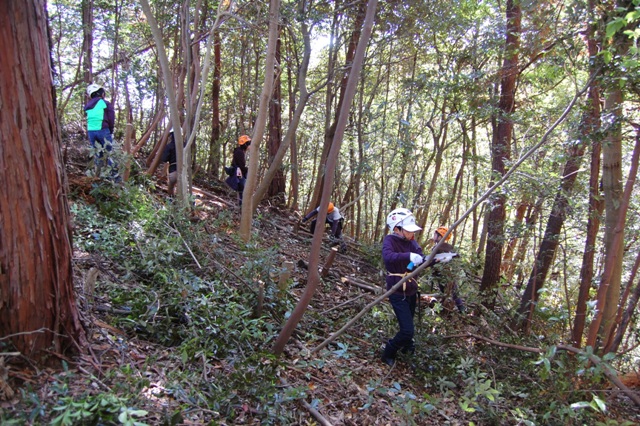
(443, 276)
(238, 176)
(334, 219)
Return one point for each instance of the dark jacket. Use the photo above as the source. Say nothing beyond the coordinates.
(108, 113)
(239, 160)
(395, 255)
(169, 154)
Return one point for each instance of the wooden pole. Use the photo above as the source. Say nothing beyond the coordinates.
(329, 262)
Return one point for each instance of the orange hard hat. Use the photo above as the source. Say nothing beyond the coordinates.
(330, 208)
(243, 140)
(443, 230)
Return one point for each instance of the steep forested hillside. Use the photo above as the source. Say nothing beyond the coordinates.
(181, 317)
(511, 127)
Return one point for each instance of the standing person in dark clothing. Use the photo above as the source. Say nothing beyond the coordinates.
(100, 124)
(400, 253)
(169, 156)
(240, 164)
(444, 274)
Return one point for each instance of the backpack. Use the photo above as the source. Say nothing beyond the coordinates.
(230, 170)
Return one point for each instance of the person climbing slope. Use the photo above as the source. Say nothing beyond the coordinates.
(100, 125)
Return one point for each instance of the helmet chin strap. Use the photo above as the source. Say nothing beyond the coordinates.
(401, 233)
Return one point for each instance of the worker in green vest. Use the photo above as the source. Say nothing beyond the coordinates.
(100, 123)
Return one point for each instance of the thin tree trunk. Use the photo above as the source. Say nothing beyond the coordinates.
(508, 261)
(625, 317)
(456, 187)
(314, 255)
(500, 153)
(171, 95)
(331, 130)
(612, 188)
(294, 184)
(277, 186)
(551, 239)
(213, 165)
(87, 41)
(295, 121)
(116, 44)
(248, 202)
(129, 133)
(592, 124)
(601, 324)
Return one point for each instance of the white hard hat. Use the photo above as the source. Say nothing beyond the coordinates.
(92, 88)
(404, 219)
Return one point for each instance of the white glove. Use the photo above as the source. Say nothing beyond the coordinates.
(445, 257)
(415, 258)
(238, 172)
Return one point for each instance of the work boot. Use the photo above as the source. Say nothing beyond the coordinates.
(389, 361)
(389, 354)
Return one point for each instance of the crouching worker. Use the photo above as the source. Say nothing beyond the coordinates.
(444, 274)
(400, 254)
(334, 219)
(169, 156)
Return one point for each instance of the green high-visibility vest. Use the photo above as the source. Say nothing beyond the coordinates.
(95, 115)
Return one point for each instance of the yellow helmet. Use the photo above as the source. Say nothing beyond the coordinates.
(443, 230)
(243, 140)
(330, 208)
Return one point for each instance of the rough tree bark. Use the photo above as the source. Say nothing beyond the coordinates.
(592, 123)
(216, 131)
(500, 151)
(602, 325)
(277, 185)
(87, 41)
(39, 312)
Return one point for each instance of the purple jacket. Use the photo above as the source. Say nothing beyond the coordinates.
(395, 255)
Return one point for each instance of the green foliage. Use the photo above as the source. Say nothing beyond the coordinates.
(96, 409)
(478, 388)
(201, 317)
(407, 405)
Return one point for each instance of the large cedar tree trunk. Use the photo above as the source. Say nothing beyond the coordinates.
(500, 151)
(36, 288)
